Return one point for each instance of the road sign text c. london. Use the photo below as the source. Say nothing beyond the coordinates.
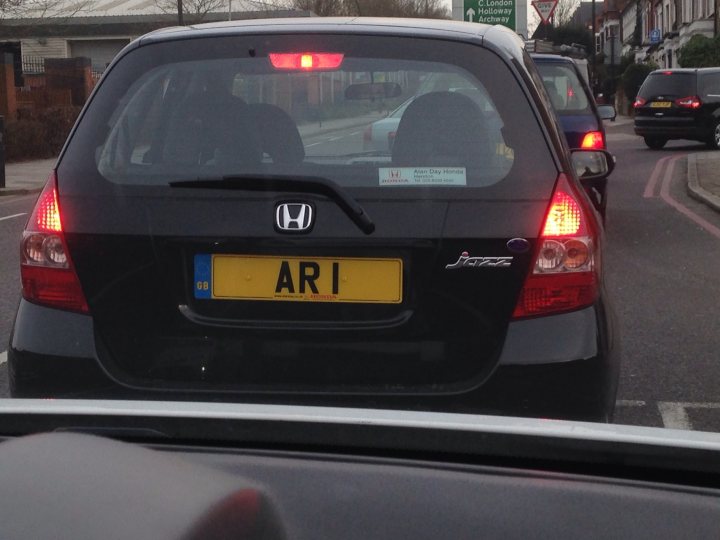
(490, 12)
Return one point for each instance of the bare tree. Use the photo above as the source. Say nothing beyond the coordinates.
(322, 8)
(43, 9)
(194, 11)
(564, 10)
(434, 9)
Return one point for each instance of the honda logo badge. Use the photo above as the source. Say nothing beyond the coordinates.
(294, 217)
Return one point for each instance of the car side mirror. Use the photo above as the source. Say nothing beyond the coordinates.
(592, 164)
(607, 112)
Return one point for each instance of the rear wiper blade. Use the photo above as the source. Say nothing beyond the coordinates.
(301, 184)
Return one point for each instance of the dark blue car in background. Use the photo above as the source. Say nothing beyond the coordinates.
(580, 118)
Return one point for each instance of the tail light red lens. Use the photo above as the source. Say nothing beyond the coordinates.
(565, 271)
(593, 140)
(47, 273)
(639, 102)
(690, 102)
(307, 61)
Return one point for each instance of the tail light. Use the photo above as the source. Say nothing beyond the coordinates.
(690, 102)
(391, 139)
(593, 141)
(565, 273)
(307, 61)
(639, 102)
(47, 273)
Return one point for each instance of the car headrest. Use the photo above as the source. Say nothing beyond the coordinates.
(278, 133)
(441, 129)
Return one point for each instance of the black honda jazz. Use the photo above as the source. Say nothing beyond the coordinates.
(215, 229)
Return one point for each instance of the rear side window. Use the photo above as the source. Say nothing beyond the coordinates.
(390, 114)
(564, 87)
(710, 85)
(670, 84)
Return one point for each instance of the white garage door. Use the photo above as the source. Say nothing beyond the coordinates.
(100, 51)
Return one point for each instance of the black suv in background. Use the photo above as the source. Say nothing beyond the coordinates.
(679, 104)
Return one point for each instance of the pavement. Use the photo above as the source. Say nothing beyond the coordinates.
(26, 177)
(704, 178)
(703, 168)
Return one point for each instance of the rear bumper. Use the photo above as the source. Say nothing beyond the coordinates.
(667, 130)
(565, 366)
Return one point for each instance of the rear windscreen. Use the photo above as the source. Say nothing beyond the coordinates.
(668, 84)
(564, 88)
(365, 112)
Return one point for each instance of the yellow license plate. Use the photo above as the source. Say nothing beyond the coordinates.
(305, 279)
(661, 104)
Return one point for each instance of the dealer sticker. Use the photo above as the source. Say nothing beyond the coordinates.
(422, 176)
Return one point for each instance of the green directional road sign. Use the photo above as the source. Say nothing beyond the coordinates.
(490, 12)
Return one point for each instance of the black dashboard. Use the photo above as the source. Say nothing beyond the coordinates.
(71, 485)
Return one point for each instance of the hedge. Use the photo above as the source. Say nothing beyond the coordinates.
(38, 134)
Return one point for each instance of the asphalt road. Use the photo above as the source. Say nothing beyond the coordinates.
(661, 261)
(13, 215)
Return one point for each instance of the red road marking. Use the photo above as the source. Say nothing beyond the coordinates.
(665, 195)
(650, 187)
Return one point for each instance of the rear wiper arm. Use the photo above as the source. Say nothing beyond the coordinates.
(302, 184)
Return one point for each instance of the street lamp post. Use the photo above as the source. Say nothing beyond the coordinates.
(180, 12)
(594, 51)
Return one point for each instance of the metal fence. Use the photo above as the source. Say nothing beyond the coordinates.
(33, 64)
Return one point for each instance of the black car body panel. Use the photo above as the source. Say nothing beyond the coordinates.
(534, 363)
(140, 230)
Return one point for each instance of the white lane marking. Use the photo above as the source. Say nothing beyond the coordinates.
(684, 210)
(674, 415)
(3, 357)
(630, 403)
(15, 198)
(313, 144)
(13, 216)
(650, 187)
(344, 136)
